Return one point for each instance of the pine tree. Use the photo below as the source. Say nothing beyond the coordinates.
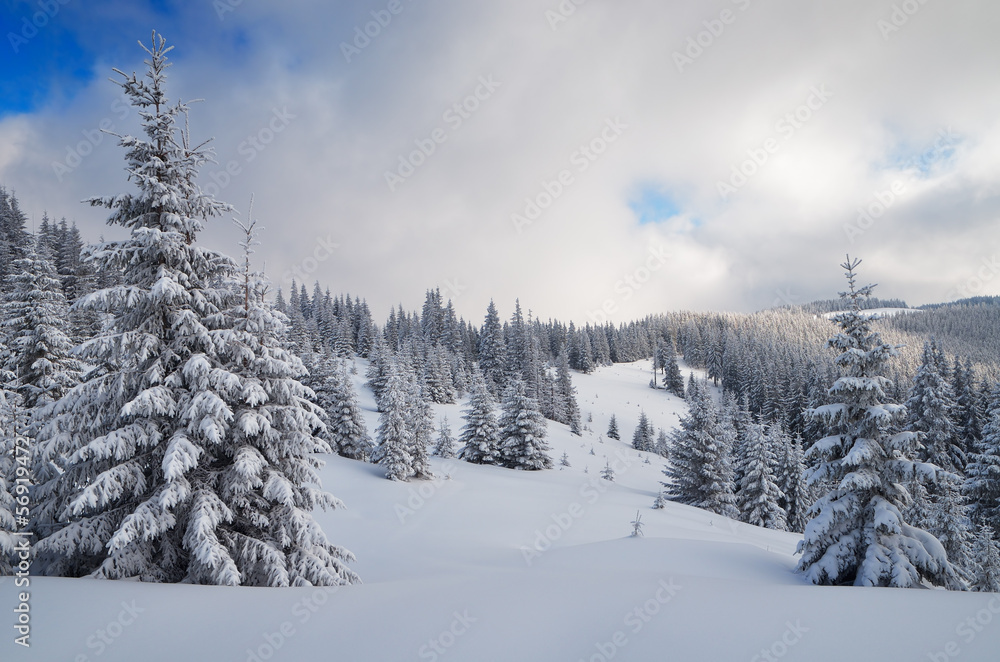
(480, 436)
(673, 380)
(759, 496)
(393, 438)
(377, 374)
(950, 524)
(421, 420)
(701, 472)
(493, 351)
(613, 428)
(662, 446)
(966, 411)
(982, 484)
(522, 431)
(986, 551)
(567, 396)
(930, 408)
(346, 429)
(35, 317)
(857, 533)
(193, 412)
(791, 468)
(642, 438)
(445, 447)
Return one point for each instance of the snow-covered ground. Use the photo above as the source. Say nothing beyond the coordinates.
(489, 564)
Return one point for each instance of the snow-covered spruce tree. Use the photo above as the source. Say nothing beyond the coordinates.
(929, 412)
(493, 351)
(188, 445)
(345, 427)
(607, 473)
(759, 496)
(567, 396)
(613, 428)
(642, 438)
(856, 533)
(379, 357)
(966, 411)
(393, 438)
(986, 552)
(522, 431)
(445, 446)
(949, 522)
(792, 482)
(701, 471)
(982, 482)
(420, 418)
(480, 436)
(35, 317)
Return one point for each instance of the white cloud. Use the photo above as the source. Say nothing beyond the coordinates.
(781, 234)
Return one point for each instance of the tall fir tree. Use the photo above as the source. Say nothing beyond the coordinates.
(759, 496)
(346, 429)
(643, 438)
(930, 408)
(445, 446)
(493, 352)
(480, 437)
(188, 447)
(856, 533)
(792, 482)
(566, 393)
(701, 469)
(393, 437)
(986, 552)
(982, 483)
(420, 417)
(613, 428)
(522, 431)
(35, 320)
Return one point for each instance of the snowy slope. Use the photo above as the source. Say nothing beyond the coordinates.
(490, 564)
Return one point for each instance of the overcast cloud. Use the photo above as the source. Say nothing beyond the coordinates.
(625, 120)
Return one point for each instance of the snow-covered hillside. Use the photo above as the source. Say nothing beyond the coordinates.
(485, 563)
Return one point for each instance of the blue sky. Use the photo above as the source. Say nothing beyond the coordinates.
(590, 122)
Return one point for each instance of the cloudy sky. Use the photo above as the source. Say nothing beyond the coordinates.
(593, 158)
